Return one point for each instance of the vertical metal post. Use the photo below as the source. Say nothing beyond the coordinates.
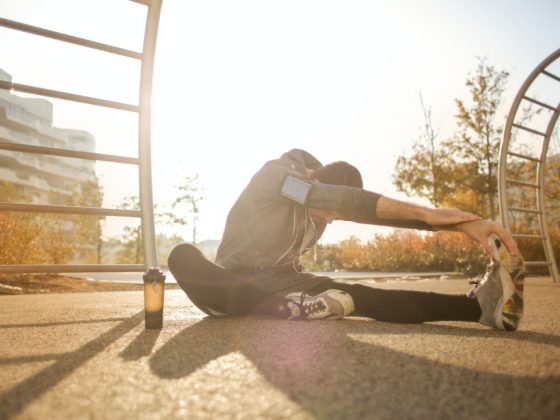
(154, 278)
(541, 175)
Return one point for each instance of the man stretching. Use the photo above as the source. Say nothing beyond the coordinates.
(282, 213)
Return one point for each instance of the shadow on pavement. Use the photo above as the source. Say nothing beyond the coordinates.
(18, 397)
(58, 323)
(141, 346)
(330, 374)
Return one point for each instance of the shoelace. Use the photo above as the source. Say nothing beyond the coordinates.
(476, 282)
(311, 307)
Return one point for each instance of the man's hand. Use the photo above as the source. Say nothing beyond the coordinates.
(479, 230)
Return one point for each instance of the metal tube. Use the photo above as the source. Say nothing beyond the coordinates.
(26, 148)
(519, 155)
(18, 26)
(522, 183)
(154, 279)
(144, 141)
(539, 103)
(553, 76)
(549, 251)
(48, 208)
(522, 210)
(532, 263)
(527, 236)
(530, 130)
(67, 96)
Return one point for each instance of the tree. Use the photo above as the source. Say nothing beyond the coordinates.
(132, 237)
(91, 227)
(479, 134)
(461, 171)
(19, 231)
(425, 172)
(185, 207)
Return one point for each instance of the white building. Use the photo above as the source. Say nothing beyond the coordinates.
(30, 121)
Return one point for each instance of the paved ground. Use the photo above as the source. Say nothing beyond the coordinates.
(89, 356)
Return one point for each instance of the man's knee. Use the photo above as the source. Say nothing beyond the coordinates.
(181, 257)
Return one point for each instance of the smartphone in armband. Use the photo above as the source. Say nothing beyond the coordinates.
(296, 189)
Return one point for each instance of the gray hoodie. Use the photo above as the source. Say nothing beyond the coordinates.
(265, 229)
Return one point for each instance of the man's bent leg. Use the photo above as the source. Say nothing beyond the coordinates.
(217, 291)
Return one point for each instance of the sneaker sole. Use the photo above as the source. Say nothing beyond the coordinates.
(509, 311)
(508, 289)
(512, 311)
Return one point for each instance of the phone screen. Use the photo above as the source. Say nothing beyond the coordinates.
(296, 189)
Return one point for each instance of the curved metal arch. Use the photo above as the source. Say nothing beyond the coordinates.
(505, 152)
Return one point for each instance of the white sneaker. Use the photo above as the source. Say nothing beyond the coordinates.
(500, 291)
(330, 304)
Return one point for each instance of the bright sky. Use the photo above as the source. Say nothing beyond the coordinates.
(238, 83)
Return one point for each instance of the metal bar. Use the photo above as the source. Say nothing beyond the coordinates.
(35, 30)
(527, 236)
(48, 208)
(81, 268)
(539, 103)
(153, 296)
(67, 96)
(519, 155)
(17, 147)
(535, 263)
(553, 76)
(530, 130)
(524, 210)
(6, 122)
(525, 184)
(144, 134)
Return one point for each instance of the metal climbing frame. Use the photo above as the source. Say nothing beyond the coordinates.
(507, 152)
(153, 277)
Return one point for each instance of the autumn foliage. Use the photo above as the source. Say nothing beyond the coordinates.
(408, 251)
(40, 238)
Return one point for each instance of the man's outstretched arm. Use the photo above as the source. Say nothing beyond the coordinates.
(453, 220)
(388, 208)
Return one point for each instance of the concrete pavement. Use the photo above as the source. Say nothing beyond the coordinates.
(87, 355)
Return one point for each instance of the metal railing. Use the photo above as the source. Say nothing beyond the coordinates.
(506, 153)
(143, 162)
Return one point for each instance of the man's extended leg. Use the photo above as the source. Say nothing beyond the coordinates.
(403, 306)
(497, 301)
(409, 306)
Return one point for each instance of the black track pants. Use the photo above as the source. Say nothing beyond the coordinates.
(215, 290)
